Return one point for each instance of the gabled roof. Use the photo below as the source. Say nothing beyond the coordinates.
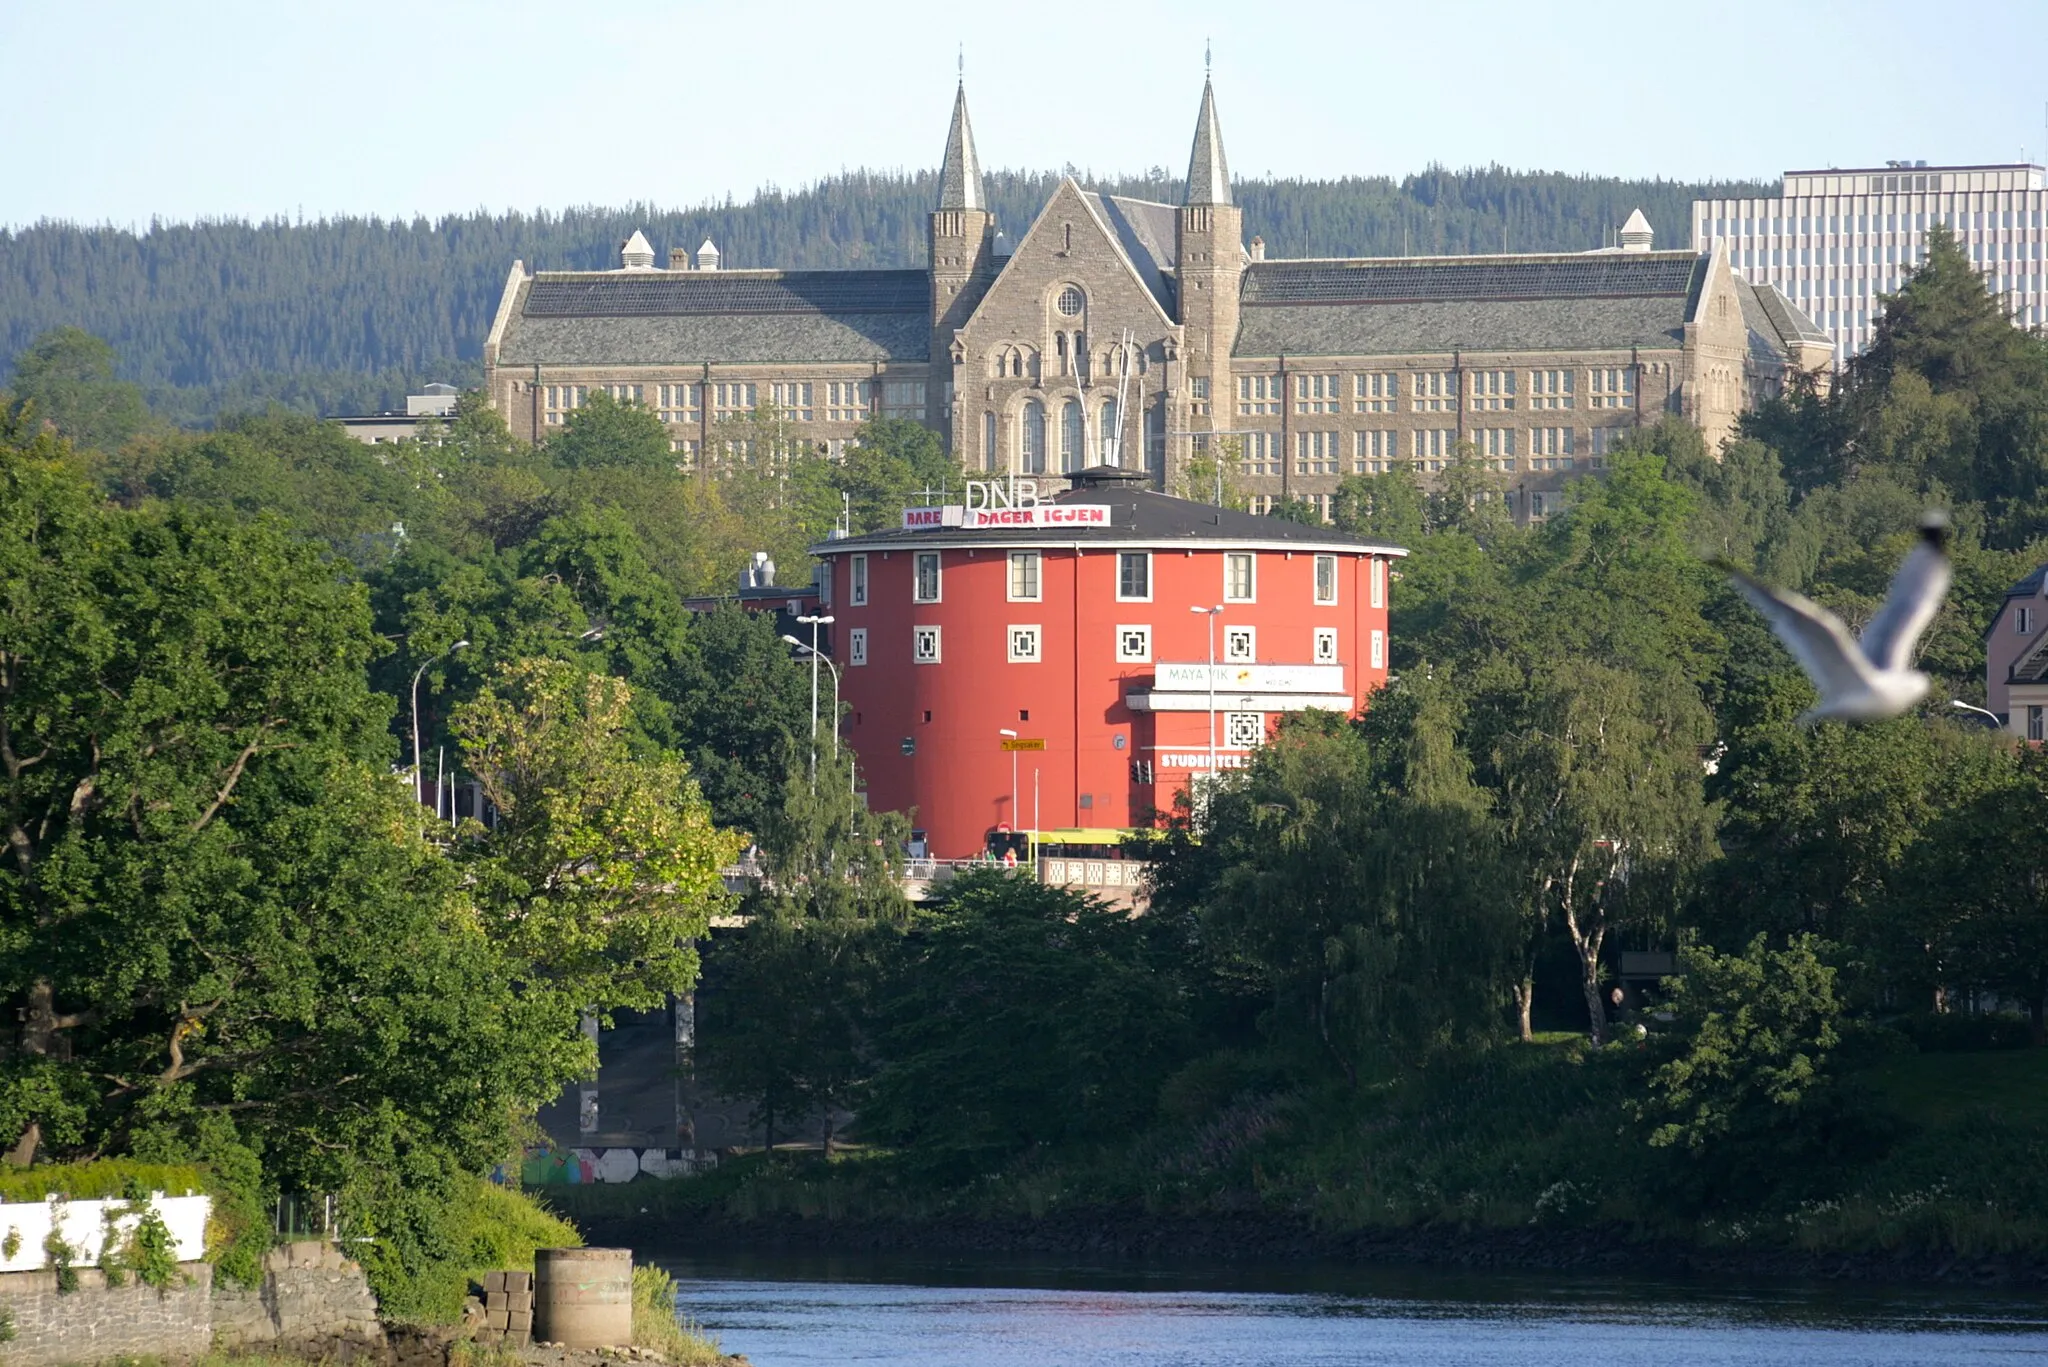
(1436, 305)
(960, 173)
(1148, 234)
(1142, 518)
(693, 317)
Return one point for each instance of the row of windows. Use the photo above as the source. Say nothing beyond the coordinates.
(1428, 391)
(1024, 643)
(1025, 582)
(1376, 452)
(797, 401)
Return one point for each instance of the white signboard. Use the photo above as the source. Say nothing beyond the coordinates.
(1182, 678)
(1037, 515)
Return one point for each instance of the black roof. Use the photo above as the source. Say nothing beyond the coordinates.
(639, 294)
(1141, 515)
(1603, 275)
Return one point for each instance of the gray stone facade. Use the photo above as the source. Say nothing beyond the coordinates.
(1153, 335)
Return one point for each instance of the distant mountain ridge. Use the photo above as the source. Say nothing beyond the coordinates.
(347, 314)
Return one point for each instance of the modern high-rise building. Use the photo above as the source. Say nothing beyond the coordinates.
(1834, 240)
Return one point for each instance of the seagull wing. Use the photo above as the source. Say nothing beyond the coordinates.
(1917, 590)
(1815, 636)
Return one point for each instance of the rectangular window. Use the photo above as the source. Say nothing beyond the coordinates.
(1024, 643)
(794, 400)
(1240, 645)
(1374, 452)
(1550, 388)
(1134, 576)
(857, 582)
(1024, 576)
(1326, 645)
(846, 401)
(1262, 454)
(1435, 391)
(903, 399)
(1244, 730)
(1492, 391)
(1198, 395)
(1375, 393)
(733, 397)
(1379, 583)
(1550, 441)
(857, 646)
(1379, 650)
(1240, 584)
(924, 645)
(1326, 579)
(678, 402)
(925, 587)
(1318, 394)
(1614, 387)
(1134, 645)
(2034, 724)
(1433, 446)
(1496, 446)
(1316, 453)
(1258, 394)
(2022, 619)
(821, 575)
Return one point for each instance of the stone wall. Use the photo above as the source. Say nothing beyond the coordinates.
(312, 1298)
(96, 1321)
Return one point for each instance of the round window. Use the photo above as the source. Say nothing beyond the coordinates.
(1071, 301)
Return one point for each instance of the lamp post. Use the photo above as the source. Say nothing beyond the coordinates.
(1012, 735)
(459, 645)
(815, 658)
(1211, 614)
(814, 623)
(1962, 706)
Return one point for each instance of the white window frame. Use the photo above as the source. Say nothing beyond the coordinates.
(1037, 577)
(1031, 636)
(1250, 636)
(1326, 646)
(1251, 560)
(925, 645)
(1320, 562)
(1379, 649)
(1143, 653)
(1121, 597)
(917, 562)
(856, 646)
(1379, 582)
(1243, 730)
(857, 581)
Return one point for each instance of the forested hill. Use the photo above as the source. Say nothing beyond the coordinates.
(345, 314)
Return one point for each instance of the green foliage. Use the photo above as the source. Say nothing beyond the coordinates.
(605, 432)
(657, 1325)
(66, 378)
(734, 738)
(432, 1235)
(100, 1179)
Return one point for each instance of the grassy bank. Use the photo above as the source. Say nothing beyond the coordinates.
(1945, 1153)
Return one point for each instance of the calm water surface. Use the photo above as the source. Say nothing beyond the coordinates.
(782, 1311)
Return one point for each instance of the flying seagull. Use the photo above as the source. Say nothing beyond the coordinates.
(1870, 679)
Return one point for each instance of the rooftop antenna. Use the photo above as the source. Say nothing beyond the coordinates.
(1208, 63)
(961, 62)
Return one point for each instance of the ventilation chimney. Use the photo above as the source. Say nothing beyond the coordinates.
(637, 254)
(707, 256)
(679, 258)
(1636, 234)
(1258, 249)
(759, 573)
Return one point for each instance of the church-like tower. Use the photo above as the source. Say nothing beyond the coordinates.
(961, 242)
(1210, 257)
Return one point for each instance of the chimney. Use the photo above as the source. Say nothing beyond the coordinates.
(1258, 249)
(707, 256)
(679, 258)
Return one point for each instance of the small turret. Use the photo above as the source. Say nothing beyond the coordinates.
(707, 256)
(1636, 234)
(637, 254)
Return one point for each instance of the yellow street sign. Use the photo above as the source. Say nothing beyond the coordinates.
(1023, 742)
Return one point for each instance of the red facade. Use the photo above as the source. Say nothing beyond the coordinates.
(1122, 734)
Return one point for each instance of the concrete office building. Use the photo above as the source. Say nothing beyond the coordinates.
(1834, 240)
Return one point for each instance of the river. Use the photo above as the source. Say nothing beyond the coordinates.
(783, 1311)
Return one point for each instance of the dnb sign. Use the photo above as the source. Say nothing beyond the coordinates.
(1011, 503)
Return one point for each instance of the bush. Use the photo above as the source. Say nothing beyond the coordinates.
(656, 1325)
(427, 1243)
(102, 1179)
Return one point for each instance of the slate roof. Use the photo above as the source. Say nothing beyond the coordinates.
(1148, 234)
(693, 317)
(1434, 305)
(1208, 170)
(1141, 517)
(960, 172)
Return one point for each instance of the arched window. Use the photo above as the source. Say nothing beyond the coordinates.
(1032, 456)
(1108, 434)
(1016, 363)
(1059, 346)
(988, 442)
(1073, 454)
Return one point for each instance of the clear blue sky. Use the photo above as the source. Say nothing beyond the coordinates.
(120, 110)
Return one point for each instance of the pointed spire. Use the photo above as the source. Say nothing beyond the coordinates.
(1208, 172)
(960, 176)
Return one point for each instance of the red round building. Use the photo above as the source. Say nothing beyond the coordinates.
(1067, 641)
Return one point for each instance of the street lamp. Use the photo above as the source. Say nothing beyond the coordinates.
(1012, 735)
(814, 623)
(815, 657)
(1211, 614)
(1962, 706)
(459, 645)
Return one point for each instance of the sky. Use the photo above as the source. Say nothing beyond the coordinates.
(121, 111)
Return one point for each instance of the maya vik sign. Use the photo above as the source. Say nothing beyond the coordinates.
(1007, 503)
